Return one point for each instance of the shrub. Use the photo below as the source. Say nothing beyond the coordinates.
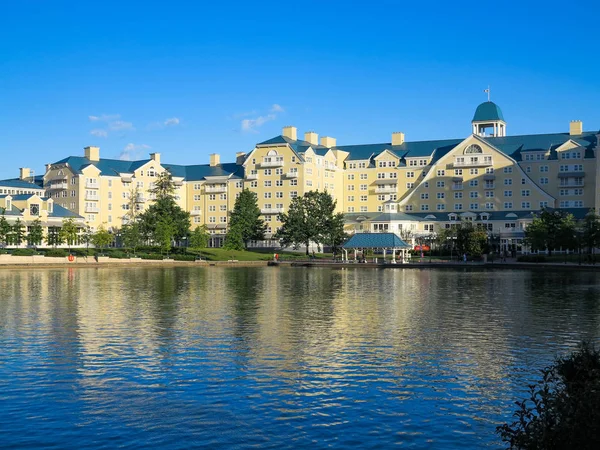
(184, 257)
(24, 252)
(118, 254)
(56, 253)
(150, 256)
(563, 409)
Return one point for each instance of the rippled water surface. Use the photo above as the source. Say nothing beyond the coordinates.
(278, 357)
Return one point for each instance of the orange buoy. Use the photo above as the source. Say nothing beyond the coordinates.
(71, 258)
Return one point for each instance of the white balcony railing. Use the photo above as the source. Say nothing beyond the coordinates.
(291, 174)
(271, 210)
(58, 186)
(140, 199)
(478, 163)
(272, 163)
(252, 176)
(93, 198)
(386, 190)
(196, 212)
(92, 209)
(89, 185)
(216, 189)
(572, 184)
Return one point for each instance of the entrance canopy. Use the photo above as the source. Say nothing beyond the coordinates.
(375, 240)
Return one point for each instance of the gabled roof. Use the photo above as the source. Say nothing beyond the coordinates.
(201, 171)
(59, 211)
(375, 240)
(110, 167)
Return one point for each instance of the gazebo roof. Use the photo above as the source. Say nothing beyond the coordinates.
(375, 240)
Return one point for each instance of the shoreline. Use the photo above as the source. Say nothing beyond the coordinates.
(137, 263)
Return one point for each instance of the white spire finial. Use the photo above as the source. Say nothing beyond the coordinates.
(488, 92)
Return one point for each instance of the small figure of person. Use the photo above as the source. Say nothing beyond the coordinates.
(464, 257)
(313, 254)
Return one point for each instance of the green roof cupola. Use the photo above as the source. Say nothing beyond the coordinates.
(489, 115)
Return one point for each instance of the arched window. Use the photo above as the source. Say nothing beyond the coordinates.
(272, 153)
(473, 148)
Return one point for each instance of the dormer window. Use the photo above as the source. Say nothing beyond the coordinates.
(8, 204)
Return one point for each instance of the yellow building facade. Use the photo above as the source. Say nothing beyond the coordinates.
(488, 177)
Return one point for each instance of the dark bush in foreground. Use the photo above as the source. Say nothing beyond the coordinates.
(24, 252)
(563, 409)
(57, 253)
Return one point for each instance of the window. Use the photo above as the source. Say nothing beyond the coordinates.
(408, 208)
(381, 197)
(350, 187)
(410, 185)
(457, 171)
(507, 181)
(278, 194)
(489, 205)
(223, 219)
(363, 176)
(222, 196)
(543, 180)
(508, 193)
(508, 205)
(350, 209)
(363, 198)
(293, 194)
(278, 183)
(473, 194)
(278, 171)
(489, 170)
(410, 174)
(458, 195)
(525, 193)
(363, 187)
(293, 182)
(440, 195)
(528, 169)
(351, 176)
(507, 169)
(441, 173)
(426, 184)
(424, 195)
(543, 168)
(440, 184)
(543, 205)
(489, 194)
(474, 171)
(440, 207)
(458, 206)
(267, 183)
(267, 195)
(424, 207)
(254, 184)
(525, 205)
(212, 196)
(473, 183)
(474, 206)
(212, 208)
(73, 180)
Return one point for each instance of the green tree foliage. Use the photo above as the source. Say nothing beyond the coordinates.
(5, 230)
(311, 218)
(199, 237)
(164, 233)
(102, 238)
(164, 209)
(590, 230)
(245, 217)
(470, 239)
(55, 237)
(69, 232)
(86, 235)
(234, 240)
(18, 232)
(131, 235)
(551, 229)
(35, 236)
(563, 409)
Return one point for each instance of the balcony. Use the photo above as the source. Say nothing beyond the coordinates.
(386, 190)
(196, 212)
(64, 185)
(252, 176)
(291, 175)
(489, 186)
(93, 198)
(478, 163)
(140, 199)
(89, 185)
(457, 187)
(572, 184)
(271, 210)
(272, 163)
(92, 209)
(215, 189)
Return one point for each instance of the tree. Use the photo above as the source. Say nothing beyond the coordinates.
(102, 238)
(199, 237)
(245, 217)
(5, 230)
(35, 236)
(310, 218)
(86, 235)
(132, 237)
(590, 229)
(551, 229)
(54, 238)
(69, 232)
(470, 240)
(563, 409)
(234, 239)
(163, 234)
(164, 209)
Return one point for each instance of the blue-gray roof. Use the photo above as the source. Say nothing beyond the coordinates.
(488, 111)
(19, 184)
(386, 217)
(375, 240)
(59, 211)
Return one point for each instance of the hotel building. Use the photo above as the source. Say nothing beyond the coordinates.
(488, 177)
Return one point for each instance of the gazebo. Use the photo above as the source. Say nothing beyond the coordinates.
(384, 241)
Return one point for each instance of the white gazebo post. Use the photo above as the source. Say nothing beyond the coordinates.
(394, 255)
(355, 255)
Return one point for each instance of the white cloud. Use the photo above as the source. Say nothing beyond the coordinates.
(172, 121)
(99, 133)
(132, 151)
(119, 125)
(251, 125)
(276, 108)
(104, 118)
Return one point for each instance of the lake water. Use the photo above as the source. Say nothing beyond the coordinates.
(278, 357)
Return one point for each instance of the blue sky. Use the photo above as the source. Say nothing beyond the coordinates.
(187, 79)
